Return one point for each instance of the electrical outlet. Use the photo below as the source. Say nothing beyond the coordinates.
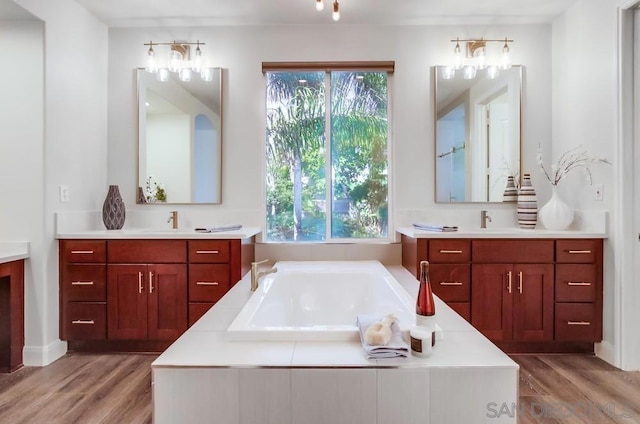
(597, 192)
(64, 193)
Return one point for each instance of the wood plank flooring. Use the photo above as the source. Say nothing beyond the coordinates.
(116, 388)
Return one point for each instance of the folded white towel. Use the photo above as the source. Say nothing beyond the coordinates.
(219, 229)
(396, 346)
(434, 227)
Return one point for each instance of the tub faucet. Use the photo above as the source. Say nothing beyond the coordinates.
(484, 217)
(255, 274)
(173, 218)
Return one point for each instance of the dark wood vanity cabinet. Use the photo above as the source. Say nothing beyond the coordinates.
(524, 294)
(143, 294)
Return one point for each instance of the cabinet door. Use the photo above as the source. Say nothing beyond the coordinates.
(167, 287)
(533, 303)
(126, 302)
(491, 300)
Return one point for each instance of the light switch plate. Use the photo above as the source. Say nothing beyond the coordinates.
(598, 192)
(64, 193)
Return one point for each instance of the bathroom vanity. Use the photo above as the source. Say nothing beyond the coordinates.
(12, 257)
(138, 290)
(526, 290)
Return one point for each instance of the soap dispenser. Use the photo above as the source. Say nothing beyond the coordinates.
(425, 305)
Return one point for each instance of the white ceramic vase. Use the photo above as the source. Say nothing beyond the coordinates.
(556, 214)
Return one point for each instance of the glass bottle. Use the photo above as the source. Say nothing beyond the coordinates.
(425, 306)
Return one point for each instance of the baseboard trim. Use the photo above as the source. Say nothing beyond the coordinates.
(40, 356)
(606, 351)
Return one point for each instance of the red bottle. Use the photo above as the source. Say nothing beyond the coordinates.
(425, 306)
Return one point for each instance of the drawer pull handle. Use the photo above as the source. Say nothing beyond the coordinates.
(575, 283)
(450, 283)
(207, 252)
(509, 277)
(150, 282)
(139, 282)
(578, 323)
(83, 321)
(82, 283)
(520, 281)
(207, 283)
(579, 252)
(82, 252)
(451, 252)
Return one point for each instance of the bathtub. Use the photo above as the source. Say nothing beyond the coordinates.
(319, 301)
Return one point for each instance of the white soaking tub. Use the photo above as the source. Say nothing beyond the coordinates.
(319, 301)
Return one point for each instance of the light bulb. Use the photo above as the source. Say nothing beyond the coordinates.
(151, 66)
(163, 75)
(206, 74)
(185, 74)
(175, 60)
(480, 57)
(336, 11)
(469, 72)
(319, 5)
(458, 58)
(505, 61)
(197, 61)
(492, 72)
(448, 72)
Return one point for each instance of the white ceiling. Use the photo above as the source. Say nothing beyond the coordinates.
(9, 11)
(121, 13)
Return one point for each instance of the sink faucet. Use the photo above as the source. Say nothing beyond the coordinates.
(255, 274)
(484, 217)
(173, 218)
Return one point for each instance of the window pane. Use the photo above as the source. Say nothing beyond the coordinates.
(359, 204)
(295, 163)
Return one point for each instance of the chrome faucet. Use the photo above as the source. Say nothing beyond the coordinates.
(255, 274)
(484, 217)
(173, 218)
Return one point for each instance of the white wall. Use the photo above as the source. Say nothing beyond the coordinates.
(74, 152)
(240, 50)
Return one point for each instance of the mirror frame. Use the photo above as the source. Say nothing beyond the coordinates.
(139, 72)
(518, 170)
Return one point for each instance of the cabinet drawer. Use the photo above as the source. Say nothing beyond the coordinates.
(451, 283)
(578, 251)
(147, 251)
(449, 251)
(576, 322)
(208, 251)
(512, 251)
(197, 310)
(83, 251)
(85, 321)
(208, 282)
(575, 283)
(86, 283)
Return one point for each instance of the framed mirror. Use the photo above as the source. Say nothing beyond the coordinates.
(477, 134)
(179, 139)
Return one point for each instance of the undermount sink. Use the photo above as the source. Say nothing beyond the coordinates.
(165, 230)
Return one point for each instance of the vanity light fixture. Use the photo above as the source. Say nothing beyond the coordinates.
(178, 61)
(335, 14)
(476, 59)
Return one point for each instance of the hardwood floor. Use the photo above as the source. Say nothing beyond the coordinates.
(80, 388)
(114, 388)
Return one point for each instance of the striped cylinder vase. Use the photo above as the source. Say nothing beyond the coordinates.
(527, 204)
(510, 192)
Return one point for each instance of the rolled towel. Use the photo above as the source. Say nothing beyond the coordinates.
(396, 347)
(219, 229)
(434, 227)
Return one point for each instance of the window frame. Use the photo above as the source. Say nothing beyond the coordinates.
(327, 68)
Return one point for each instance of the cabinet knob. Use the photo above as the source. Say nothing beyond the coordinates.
(150, 282)
(82, 252)
(450, 283)
(82, 283)
(578, 323)
(576, 283)
(579, 252)
(509, 279)
(207, 252)
(207, 283)
(140, 282)
(520, 282)
(451, 252)
(83, 321)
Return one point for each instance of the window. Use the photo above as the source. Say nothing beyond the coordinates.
(326, 154)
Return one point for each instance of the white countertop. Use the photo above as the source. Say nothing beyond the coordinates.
(206, 344)
(158, 233)
(13, 251)
(502, 233)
